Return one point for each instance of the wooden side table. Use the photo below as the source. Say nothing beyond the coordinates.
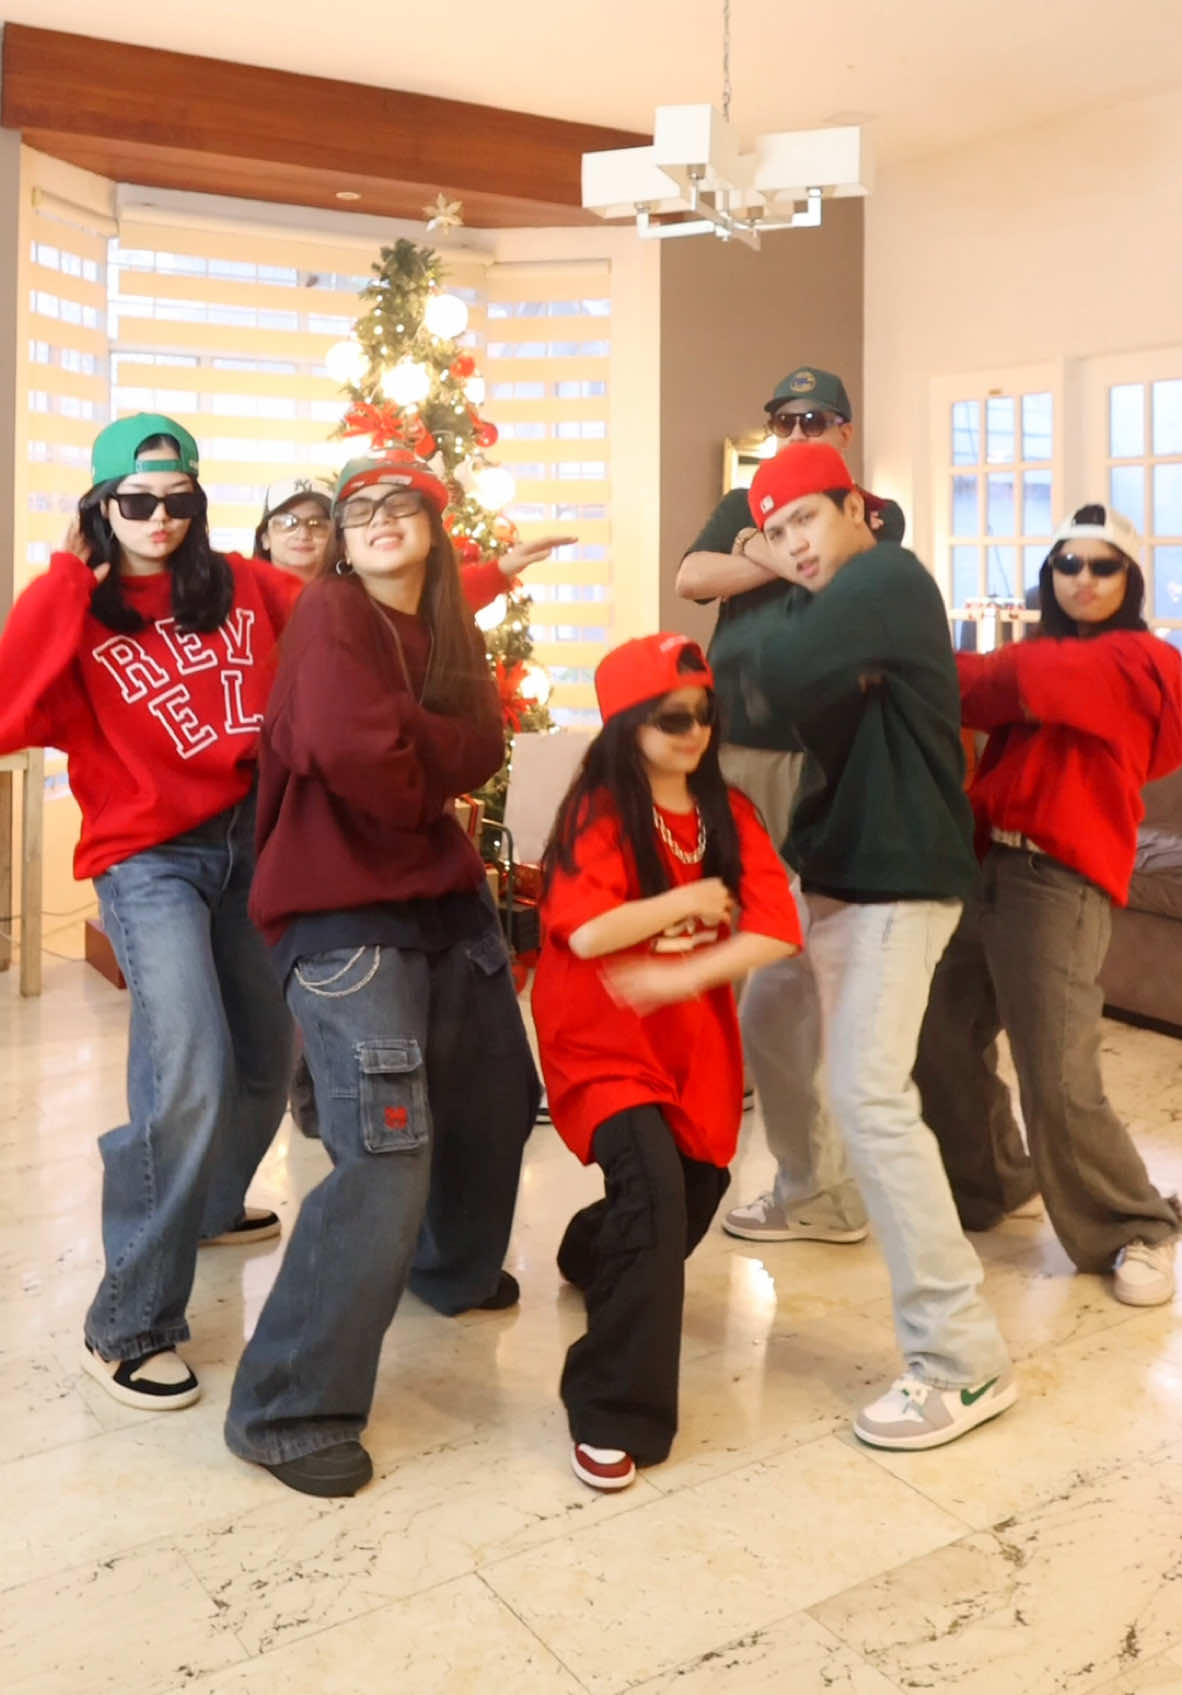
(31, 765)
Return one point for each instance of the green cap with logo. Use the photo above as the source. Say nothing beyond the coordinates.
(820, 388)
(116, 451)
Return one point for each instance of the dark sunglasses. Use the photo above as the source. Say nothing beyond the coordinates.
(137, 507)
(812, 424)
(680, 720)
(1070, 565)
(361, 509)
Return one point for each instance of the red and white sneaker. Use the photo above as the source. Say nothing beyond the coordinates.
(602, 1468)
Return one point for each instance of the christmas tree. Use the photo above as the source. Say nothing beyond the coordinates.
(412, 383)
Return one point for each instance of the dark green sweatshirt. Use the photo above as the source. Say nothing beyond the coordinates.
(863, 674)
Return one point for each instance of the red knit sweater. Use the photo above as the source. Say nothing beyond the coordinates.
(355, 777)
(160, 727)
(1077, 730)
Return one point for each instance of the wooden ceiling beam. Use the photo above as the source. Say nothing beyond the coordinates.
(173, 120)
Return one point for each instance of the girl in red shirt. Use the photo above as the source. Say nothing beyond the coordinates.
(660, 888)
(148, 658)
(1079, 721)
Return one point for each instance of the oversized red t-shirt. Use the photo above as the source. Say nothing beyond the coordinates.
(599, 1058)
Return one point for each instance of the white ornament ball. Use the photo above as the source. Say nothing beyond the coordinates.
(345, 362)
(494, 487)
(407, 384)
(446, 316)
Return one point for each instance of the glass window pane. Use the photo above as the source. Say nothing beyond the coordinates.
(1037, 421)
(966, 574)
(1167, 500)
(1002, 568)
(1126, 421)
(1036, 504)
(999, 504)
(966, 506)
(1032, 558)
(966, 432)
(1167, 417)
(999, 429)
(1126, 484)
(1167, 582)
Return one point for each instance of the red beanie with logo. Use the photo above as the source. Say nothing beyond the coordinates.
(647, 668)
(807, 467)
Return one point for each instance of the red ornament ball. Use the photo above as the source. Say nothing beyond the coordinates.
(463, 365)
(486, 434)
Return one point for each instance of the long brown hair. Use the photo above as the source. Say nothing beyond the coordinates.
(458, 680)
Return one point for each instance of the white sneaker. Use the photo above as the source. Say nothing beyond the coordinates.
(765, 1220)
(913, 1414)
(602, 1468)
(1145, 1273)
(155, 1382)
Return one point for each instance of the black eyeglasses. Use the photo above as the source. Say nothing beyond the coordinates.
(137, 506)
(812, 424)
(289, 521)
(362, 508)
(1070, 565)
(680, 720)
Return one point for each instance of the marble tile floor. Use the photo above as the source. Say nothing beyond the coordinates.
(1040, 1555)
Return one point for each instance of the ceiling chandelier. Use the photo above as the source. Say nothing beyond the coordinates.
(695, 179)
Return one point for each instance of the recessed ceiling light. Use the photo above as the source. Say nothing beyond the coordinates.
(347, 194)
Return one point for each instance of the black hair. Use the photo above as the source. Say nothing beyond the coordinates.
(612, 778)
(262, 549)
(1056, 623)
(202, 581)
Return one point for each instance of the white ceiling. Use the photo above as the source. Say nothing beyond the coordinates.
(928, 73)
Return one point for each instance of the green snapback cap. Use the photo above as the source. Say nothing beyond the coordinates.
(116, 450)
(819, 388)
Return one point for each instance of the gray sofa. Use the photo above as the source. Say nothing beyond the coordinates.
(1142, 976)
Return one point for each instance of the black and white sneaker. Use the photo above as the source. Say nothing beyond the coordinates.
(155, 1382)
(257, 1224)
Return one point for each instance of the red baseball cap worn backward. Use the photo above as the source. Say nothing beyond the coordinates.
(645, 669)
(807, 467)
(398, 465)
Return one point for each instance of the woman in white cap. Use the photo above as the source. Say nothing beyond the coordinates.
(1079, 721)
(295, 531)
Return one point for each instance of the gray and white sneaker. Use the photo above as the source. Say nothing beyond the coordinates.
(913, 1414)
(765, 1220)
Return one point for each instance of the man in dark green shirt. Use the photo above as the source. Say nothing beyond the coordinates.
(813, 1197)
(863, 674)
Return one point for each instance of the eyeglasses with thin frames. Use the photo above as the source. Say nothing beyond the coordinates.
(289, 522)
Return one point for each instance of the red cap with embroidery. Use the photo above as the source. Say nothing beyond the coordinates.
(808, 467)
(647, 668)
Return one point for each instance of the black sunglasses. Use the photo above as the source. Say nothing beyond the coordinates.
(680, 720)
(360, 509)
(137, 506)
(812, 424)
(1070, 565)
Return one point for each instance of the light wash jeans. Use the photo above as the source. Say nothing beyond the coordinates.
(207, 1071)
(780, 1017)
(426, 1092)
(874, 966)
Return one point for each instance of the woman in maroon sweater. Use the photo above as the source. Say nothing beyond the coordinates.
(1079, 721)
(376, 908)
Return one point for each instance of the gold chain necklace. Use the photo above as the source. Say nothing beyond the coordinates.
(696, 854)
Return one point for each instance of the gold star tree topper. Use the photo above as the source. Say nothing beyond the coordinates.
(444, 214)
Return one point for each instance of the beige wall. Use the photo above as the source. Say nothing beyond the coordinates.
(732, 323)
(1052, 243)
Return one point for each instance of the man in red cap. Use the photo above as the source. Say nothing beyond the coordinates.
(863, 675)
(812, 1198)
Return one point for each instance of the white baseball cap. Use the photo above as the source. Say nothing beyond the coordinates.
(1118, 531)
(282, 494)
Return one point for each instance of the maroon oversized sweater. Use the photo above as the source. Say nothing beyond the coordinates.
(356, 778)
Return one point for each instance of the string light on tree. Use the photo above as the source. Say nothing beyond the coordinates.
(412, 384)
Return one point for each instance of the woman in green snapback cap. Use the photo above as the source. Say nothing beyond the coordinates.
(148, 657)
